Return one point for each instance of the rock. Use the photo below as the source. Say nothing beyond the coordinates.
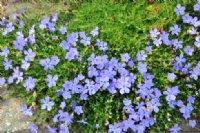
(11, 119)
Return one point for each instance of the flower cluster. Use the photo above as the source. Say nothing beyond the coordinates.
(104, 73)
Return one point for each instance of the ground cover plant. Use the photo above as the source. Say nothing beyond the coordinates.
(88, 74)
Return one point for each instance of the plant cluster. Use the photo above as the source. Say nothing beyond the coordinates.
(73, 79)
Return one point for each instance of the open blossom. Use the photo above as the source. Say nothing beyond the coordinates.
(17, 74)
(49, 63)
(47, 104)
(72, 54)
(171, 76)
(30, 55)
(95, 32)
(154, 33)
(179, 10)
(63, 30)
(51, 80)
(29, 84)
(33, 128)
(171, 93)
(25, 110)
(188, 50)
(78, 110)
(175, 29)
(25, 64)
(192, 123)
(175, 129)
(7, 64)
(125, 57)
(5, 52)
(2, 82)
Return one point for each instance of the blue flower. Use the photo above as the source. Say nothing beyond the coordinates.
(125, 57)
(33, 128)
(2, 81)
(142, 67)
(154, 33)
(157, 42)
(72, 54)
(175, 129)
(29, 84)
(171, 93)
(78, 110)
(30, 55)
(179, 10)
(95, 32)
(141, 56)
(63, 30)
(25, 64)
(51, 80)
(192, 123)
(175, 30)
(47, 104)
(171, 76)
(25, 110)
(7, 64)
(197, 7)
(188, 50)
(5, 52)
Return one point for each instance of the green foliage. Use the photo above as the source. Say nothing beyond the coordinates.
(124, 27)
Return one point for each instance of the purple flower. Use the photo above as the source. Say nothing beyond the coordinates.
(51, 129)
(95, 32)
(25, 110)
(86, 41)
(90, 87)
(171, 76)
(142, 67)
(29, 84)
(193, 31)
(154, 33)
(5, 52)
(192, 123)
(54, 17)
(33, 128)
(103, 46)
(25, 64)
(97, 126)
(72, 38)
(51, 80)
(188, 50)
(19, 43)
(7, 64)
(191, 99)
(2, 82)
(17, 74)
(127, 102)
(175, 129)
(175, 30)
(171, 93)
(186, 110)
(153, 105)
(157, 42)
(187, 19)
(197, 7)
(125, 57)
(65, 45)
(124, 85)
(72, 54)
(177, 44)
(179, 10)
(47, 104)
(30, 55)
(78, 110)
(149, 48)
(50, 63)
(141, 56)
(62, 105)
(197, 41)
(63, 30)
